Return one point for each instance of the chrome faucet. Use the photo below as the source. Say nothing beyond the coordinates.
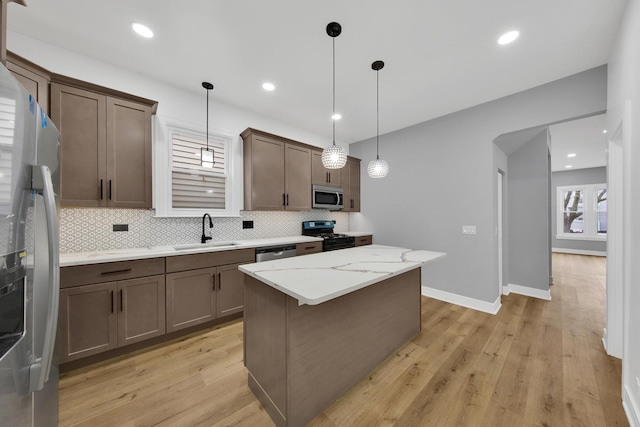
(205, 238)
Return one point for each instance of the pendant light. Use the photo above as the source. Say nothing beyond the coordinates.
(377, 168)
(334, 156)
(206, 154)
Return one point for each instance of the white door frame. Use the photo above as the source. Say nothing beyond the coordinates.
(499, 231)
(613, 330)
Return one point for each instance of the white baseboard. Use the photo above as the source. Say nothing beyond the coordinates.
(526, 291)
(475, 304)
(630, 408)
(579, 252)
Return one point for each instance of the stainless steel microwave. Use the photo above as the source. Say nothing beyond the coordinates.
(327, 197)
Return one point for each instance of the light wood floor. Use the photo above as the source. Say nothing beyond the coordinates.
(536, 363)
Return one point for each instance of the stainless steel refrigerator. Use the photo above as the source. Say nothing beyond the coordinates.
(29, 259)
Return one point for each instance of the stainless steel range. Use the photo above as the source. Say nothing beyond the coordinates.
(331, 241)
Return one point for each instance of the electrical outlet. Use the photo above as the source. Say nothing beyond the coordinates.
(468, 229)
(120, 227)
(247, 224)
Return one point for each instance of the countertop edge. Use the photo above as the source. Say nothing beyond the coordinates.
(116, 255)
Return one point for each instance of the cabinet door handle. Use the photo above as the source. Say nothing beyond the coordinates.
(109, 189)
(219, 281)
(213, 280)
(351, 203)
(329, 176)
(111, 301)
(326, 177)
(284, 199)
(105, 273)
(101, 190)
(287, 200)
(121, 301)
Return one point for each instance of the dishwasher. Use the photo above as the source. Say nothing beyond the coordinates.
(269, 253)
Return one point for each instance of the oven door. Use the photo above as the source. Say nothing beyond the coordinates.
(327, 197)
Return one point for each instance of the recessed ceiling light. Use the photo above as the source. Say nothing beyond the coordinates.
(142, 30)
(507, 38)
(568, 166)
(604, 131)
(268, 86)
(571, 155)
(336, 116)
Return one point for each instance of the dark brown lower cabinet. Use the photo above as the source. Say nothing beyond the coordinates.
(198, 296)
(97, 318)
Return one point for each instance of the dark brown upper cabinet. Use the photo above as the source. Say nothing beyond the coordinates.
(277, 173)
(105, 145)
(34, 78)
(323, 176)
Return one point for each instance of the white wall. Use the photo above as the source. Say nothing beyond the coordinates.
(443, 176)
(623, 105)
(528, 207)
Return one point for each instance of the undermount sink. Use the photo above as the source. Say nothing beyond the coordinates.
(204, 245)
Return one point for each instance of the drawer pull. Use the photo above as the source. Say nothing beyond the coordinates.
(310, 247)
(105, 273)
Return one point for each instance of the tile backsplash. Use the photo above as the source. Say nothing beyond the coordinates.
(87, 230)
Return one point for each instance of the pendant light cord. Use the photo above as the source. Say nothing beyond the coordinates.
(334, 91)
(377, 114)
(207, 119)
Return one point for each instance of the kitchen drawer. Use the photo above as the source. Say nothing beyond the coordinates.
(308, 248)
(364, 240)
(110, 271)
(209, 259)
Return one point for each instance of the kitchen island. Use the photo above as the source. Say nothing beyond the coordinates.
(315, 325)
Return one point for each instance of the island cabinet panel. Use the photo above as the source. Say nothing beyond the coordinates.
(301, 358)
(191, 298)
(321, 175)
(308, 248)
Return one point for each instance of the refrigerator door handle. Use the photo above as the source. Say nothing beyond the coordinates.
(39, 370)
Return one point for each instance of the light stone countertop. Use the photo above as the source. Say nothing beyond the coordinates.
(357, 233)
(314, 279)
(113, 255)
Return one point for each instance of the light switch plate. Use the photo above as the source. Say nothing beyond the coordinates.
(468, 229)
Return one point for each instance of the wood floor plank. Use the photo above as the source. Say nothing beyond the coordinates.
(535, 363)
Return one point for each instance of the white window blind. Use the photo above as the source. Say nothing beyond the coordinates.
(194, 186)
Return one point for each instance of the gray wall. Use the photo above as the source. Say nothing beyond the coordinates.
(443, 176)
(575, 177)
(528, 214)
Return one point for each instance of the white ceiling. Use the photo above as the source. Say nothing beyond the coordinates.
(584, 138)
(441, 56)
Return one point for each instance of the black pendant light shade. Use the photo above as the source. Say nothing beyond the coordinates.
(377, 168)
(206, 154)
(334, 156)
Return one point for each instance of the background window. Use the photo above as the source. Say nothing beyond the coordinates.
(582, 212)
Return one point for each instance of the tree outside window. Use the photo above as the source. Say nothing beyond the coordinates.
(582, 212)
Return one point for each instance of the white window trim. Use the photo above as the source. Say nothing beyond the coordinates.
(590, 216)
(164, 128)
